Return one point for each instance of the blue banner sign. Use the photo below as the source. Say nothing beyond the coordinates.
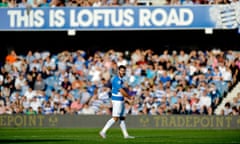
(121, 18)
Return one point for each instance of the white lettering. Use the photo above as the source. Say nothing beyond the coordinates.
(102, 18)
(51, 18)
(117, 19)
(72, 17)
(98, 16)
(107, 15)
(129, 17)
(85, 18)
(161, 17)
(26, 19)
(144, 17)
(188, 13)
(56, 18)
(38, 19)
(12, 14)
(172, 18)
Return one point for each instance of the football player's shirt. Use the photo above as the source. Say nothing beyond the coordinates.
(117, 84)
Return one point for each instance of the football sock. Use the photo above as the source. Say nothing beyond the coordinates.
(108, 125)
(123, 128)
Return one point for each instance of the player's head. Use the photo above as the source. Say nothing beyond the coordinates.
(121, 70)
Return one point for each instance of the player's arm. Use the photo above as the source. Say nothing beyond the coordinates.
(124, 93)
(128, 97)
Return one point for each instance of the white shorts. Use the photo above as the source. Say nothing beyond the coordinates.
(118, 109)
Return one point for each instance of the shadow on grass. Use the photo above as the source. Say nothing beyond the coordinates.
(29, 141)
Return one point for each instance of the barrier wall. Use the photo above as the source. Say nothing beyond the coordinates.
(93, 121)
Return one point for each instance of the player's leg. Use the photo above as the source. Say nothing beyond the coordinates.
(123, 124)
(115, 116)
(109, 123)
(124, 129)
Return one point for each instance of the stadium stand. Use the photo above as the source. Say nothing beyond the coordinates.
(233, 94)
(161, 83)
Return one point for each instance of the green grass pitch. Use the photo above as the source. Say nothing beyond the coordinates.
(114, 136)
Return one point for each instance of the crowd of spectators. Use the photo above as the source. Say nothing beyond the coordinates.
(161, 83)
(99, 3)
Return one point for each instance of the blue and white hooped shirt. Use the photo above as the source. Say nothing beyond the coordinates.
(117, 84)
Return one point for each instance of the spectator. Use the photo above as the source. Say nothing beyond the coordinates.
(19, 82)
(23, 4)
(39, 84)
(235, 111)
(2, 108)
(227, 108)
(47, 108)
(11, 57)
(34, 104)
(76, 106)
(3, 3)
(30, 111)
(87, 110)
(187, 2)
(66, 84)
